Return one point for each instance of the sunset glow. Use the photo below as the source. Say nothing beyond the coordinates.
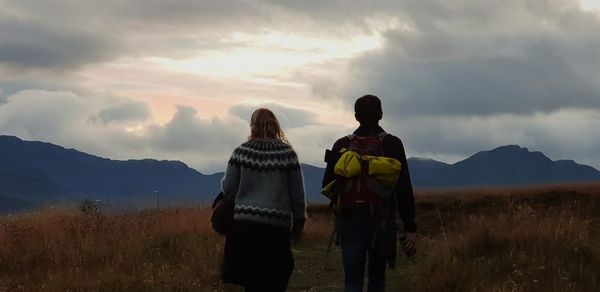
(267, 55)
(136, 80)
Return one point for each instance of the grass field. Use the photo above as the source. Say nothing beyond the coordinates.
(527, 239)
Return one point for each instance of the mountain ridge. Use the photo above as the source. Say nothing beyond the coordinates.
(510, 165)
(42, 172)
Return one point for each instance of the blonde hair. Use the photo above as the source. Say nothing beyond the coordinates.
(264, 124)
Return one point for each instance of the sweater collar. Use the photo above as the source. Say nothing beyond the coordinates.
(273, 141)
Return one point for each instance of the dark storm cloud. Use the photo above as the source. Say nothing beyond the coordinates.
(459, 77)
(545, 79)
(565, 134)
(30, 46)
(288, 116)
(462, 63)
(141, 15)
(14, 86)
(67, 34)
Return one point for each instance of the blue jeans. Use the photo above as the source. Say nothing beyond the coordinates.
(356, 235)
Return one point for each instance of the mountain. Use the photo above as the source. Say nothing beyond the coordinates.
(503, 166)
(33, 173)
(313, 177)
(10, 205)
(424, 171)
(29, 184)
(43, 172)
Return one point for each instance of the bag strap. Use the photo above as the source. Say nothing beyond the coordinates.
(381, 135)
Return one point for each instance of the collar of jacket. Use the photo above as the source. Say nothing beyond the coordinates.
(368, 130)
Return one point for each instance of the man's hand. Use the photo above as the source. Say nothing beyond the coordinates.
(407, 242)
(412, 237)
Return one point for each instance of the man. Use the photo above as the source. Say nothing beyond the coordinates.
(357, 229)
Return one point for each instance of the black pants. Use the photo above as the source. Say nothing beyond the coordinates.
(356, 237)
(258, 257)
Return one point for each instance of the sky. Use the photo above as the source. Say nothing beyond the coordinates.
(178, 79)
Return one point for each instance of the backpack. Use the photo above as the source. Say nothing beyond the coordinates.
(364, 194)
(361, 191)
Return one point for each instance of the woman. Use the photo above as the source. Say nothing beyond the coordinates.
(264, 180)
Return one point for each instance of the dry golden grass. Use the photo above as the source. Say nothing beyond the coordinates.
(508, 192)
(149, 251)
(520, 239)
(522, 248)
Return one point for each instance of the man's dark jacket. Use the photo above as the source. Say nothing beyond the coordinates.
(392, 147)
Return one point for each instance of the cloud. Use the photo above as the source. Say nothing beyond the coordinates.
(188, 132)
(33, 46)
(564, 134)
(66, 34)
(37, 113)
(455, 76)
(466, 59)
(290, 117)
(63, 118)
(311, 141)
(126, 111)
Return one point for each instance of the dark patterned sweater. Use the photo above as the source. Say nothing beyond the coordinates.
(264, 179)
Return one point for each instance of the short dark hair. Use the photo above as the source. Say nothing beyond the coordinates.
(367, 109)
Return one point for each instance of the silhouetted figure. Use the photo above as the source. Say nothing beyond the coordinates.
(264, 180)
(367, 204)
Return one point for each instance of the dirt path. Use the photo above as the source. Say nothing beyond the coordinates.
(316, 271)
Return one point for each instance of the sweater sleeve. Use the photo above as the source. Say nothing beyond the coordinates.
(231, 181)
(296, 191)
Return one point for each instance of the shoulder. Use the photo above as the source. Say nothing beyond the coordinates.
(265, 154)
(393, 146)
(266, 145)
(341, 143)
(394, 140)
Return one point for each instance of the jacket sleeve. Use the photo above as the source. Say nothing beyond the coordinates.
(404, 193)
(331, 158)
(296, 191)
(231, 181)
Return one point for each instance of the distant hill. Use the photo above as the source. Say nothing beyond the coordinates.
(29, 184)
(503, 166)
(11, 205)
(43, 172)
(425, 172)
(34, 173)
